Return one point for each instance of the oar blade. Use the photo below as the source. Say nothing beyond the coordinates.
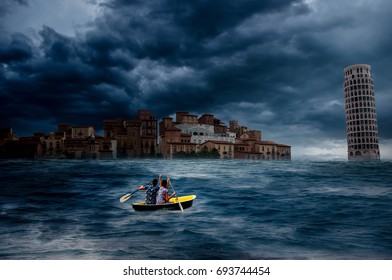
(125, 197)
(128, 195)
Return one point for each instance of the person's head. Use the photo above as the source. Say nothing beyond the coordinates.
(164, 183)
(154, 182)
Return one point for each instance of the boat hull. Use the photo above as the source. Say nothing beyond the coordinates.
(173, 204)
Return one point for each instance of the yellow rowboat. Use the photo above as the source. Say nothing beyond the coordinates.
(173, 204)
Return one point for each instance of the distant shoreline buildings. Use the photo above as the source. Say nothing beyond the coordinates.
(361, 116)
(188, 136)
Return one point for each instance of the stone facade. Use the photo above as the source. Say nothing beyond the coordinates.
(74, 142)
(187, 136)
(135, 137)
(173, 141)
(53, 144)
(361, 116)
(196, 135)
(261, 150)
(225, 148)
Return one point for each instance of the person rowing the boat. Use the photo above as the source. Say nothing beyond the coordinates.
(163, 193)
(151, 191)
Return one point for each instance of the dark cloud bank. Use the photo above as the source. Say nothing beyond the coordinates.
(273, 65)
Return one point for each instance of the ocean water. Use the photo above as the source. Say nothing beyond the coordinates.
(64, 209)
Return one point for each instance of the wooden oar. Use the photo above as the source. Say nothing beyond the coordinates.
(127, 196)
(182, 209)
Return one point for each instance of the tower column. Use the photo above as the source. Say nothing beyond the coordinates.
(361, 116)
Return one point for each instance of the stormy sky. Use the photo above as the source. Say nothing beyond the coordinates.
(273, 65)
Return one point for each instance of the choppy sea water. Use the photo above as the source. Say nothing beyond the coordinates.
(61, 209)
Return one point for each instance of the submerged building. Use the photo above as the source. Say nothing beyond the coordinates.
(197, 136)
(361, 116)
(188, 136)
(134, 137)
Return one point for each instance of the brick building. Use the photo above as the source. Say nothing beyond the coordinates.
(192, 135)
(136, 137)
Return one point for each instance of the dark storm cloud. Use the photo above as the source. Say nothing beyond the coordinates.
(154, 55)
(198, 39)
(261, 62)
(17, 48)
(59, 82)
(8, 5)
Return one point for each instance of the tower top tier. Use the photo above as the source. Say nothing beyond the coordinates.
(357, 69)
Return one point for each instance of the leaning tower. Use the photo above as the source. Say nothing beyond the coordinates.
(361, 117)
